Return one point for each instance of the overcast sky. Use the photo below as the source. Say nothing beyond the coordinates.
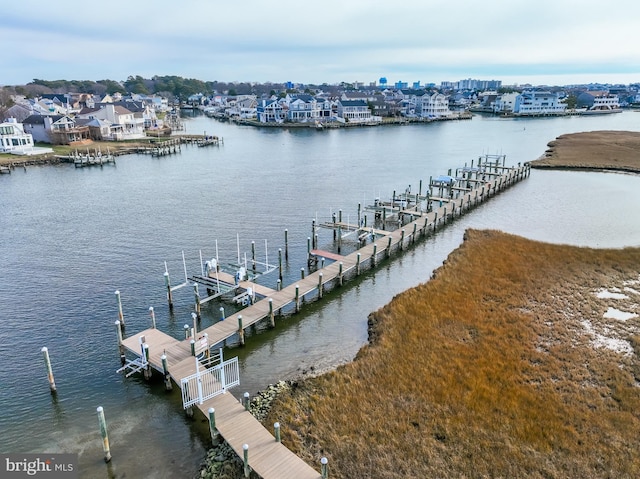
(540, 42)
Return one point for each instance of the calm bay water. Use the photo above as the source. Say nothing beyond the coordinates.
(70, 237)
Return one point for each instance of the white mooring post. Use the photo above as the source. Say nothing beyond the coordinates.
(324, 468)
(104, 434)
(47, 362)
(276, 431)
(247, 469)
(120, 315)
(167, 282)
(153, 317)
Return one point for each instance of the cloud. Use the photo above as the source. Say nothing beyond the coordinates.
(327, 42)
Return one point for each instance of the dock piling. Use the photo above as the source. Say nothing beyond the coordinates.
(120, 315)
(246, 401)
(340, 273)
(320, 285)
(197, 299)
(147, 370)
(215, 435)
(153, 317)
(104, 434)
(47, 363)
(280, 263)
(276, 431)
(120, 345)
(186, 331)
(301, 273)
(272, 317)
(247, 469)
(297, 298)
(286, 244)
(167, 282)
(221, 313)
(165, 373)
(324, 468)
(240, 330)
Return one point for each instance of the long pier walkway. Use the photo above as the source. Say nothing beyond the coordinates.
(176, 359)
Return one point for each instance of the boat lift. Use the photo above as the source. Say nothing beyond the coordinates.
(219, 282)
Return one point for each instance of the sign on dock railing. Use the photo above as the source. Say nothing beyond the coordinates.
(208, 383)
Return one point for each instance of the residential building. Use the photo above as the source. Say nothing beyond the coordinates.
(13, 137)
(538, 103)
(55, 129)
(356, 111)
(432, 105)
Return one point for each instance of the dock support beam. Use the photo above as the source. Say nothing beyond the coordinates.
(240, 330)
(272, 317)
(120, 345)
(147, 369)
(358, 264)
(320, 285)
(373, 255)
(297, 298)
(340, 274)
(165, 373)
(215, 435)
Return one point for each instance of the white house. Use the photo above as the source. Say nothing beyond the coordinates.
(432, 106)
(123, 123)
(13, 139)
(356, 111)
(505, 103)
(302, 108)
(536, 103)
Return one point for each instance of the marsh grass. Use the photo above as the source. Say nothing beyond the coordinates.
(486, 370)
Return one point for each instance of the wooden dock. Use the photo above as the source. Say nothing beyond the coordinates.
(267, 457)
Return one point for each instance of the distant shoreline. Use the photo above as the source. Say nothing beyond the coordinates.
(605, 150)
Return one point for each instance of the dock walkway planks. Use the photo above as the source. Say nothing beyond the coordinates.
(267, 457)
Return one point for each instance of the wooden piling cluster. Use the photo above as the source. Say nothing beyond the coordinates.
(174, 358)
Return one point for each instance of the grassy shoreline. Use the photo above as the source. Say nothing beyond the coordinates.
(604, 150)
(487, 370)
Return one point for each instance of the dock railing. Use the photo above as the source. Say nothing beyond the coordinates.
(204, 385)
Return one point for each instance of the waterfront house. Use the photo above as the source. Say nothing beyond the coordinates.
(433, 106)
(123, 125)
(13, 137)
(356, 111)
(504, 104)
(302, 108)
(55, 129)
(270, 111)
(538, 103)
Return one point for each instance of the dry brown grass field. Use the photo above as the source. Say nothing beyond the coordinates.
(611, 150)
(504, 364)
